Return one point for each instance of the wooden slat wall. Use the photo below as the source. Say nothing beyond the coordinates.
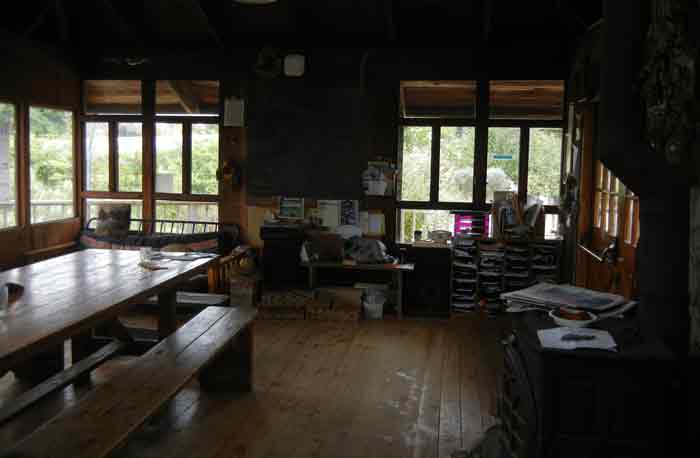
(34, 76)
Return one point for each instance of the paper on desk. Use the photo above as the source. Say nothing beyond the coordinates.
(189, 256)
(552, 338)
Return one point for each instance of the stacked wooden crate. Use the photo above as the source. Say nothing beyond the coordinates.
(336, 304)
(285, 305)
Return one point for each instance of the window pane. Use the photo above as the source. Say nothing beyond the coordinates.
(8, 166)
(614, 215)
(168, 157)
(205, 158)
(51, 164)
(187, 211)
(629, 223)
(503, 160)
(598, 210)
(456, 164)
(415, 164)
(187, 97)
(97, 156)
(544, 165)
(92, 208)
(424, 221)
(112, 97)
(129, 151)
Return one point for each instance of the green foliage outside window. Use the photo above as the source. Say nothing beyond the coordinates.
(205, 158)
(51, 164)
(8, 166)
(415, 164)
(544, 165)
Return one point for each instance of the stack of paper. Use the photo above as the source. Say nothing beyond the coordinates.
(547, 295)
(573, 338)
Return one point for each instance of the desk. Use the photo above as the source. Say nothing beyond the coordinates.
(69, 295)
(397, 269)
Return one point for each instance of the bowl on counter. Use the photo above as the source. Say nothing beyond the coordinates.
(572, 318)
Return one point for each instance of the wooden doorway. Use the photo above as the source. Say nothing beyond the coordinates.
(608, 218)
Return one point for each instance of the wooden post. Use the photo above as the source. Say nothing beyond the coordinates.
(167, 313)
(399, 293)
(81, 348)
(232, 370)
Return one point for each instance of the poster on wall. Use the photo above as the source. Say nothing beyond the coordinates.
(349, 213)
(329, 212)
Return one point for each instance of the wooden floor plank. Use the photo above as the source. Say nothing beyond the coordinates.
(203, 421)
(400, 399)
(385, 388)
(450, 438)
(428, 415)
(274, 405)
(472, 352)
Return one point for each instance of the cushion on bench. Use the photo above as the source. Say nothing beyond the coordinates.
(109, 414)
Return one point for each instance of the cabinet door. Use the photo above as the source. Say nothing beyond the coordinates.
(427, 288)
(607, 211)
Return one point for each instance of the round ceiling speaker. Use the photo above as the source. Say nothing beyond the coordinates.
(294, 65)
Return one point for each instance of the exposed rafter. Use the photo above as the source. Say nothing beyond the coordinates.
(125, 31)
(389, 15)
(41, 17)
(198, 11)
(185, 94)
(488, 16)
(62, 22)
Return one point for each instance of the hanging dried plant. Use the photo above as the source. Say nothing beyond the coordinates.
(668, 81)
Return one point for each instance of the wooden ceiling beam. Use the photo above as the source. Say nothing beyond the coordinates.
(62, 22)
(184, 92)
(48, 6)
(488, 17)
(390, 25)
(198, 11)
(125, 31)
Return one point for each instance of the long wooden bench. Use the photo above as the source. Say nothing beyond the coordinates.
(216, 345)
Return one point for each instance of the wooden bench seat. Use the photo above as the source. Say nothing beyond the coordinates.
(196, 301)
(216, 345)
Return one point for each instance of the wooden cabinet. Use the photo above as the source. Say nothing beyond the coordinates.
(588, 403)
(427, 288)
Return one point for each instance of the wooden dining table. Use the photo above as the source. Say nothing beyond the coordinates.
(69, 295)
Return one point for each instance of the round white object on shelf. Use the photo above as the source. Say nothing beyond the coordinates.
(294, 64)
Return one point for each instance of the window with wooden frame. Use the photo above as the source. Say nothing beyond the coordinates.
(51, 164)
(8, 165)
(631, 212)
(181, 173)
(509, 138)
(616, 209)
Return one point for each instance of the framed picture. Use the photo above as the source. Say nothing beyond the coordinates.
(291, 208)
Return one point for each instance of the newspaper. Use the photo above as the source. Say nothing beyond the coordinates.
(553, 296)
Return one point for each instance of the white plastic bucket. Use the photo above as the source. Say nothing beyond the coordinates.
(373, 303)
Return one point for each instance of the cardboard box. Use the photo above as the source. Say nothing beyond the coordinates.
(343, 295)
(281, 313)
(336, 304)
